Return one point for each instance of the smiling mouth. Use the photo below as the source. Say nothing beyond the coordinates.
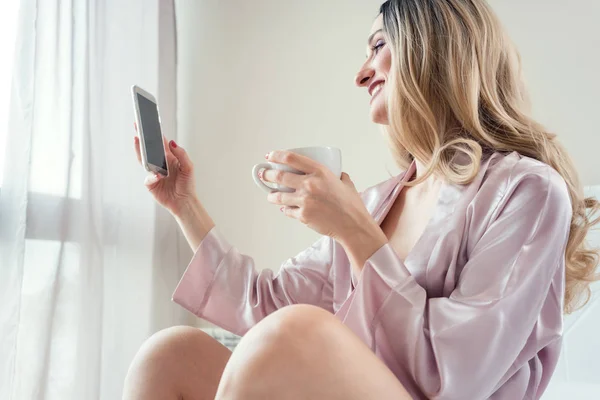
(376, 91)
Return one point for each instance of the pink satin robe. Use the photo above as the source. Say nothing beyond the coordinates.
(473, 312)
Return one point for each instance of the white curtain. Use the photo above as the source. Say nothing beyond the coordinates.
(87, 260)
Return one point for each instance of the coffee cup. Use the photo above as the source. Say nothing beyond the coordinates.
(330, 157)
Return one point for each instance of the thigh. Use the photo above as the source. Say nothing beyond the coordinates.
(178, 362)
(304, 352)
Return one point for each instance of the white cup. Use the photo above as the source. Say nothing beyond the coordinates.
(331, 157)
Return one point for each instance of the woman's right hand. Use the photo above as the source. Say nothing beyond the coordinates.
(177, 190)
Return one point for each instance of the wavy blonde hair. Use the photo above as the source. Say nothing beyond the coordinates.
(455, 86)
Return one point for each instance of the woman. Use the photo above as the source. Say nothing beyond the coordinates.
(448, 281)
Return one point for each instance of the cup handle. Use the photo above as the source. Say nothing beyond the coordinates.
(257, 180)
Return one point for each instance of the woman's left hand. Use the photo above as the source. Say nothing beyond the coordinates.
(325, 203)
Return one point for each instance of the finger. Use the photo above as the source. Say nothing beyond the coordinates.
(166, 144)
(136, 145)
(292, 212)
(294, 160)
(152, 181)
(171, 159)
(284, 178)
(346, 179)
(284, 199)
(185, 164)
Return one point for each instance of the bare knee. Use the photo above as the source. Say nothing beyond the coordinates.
(282, 344)
(170, 355)
(293, 330)
(301, 318)
(169, 344)
(175, 338)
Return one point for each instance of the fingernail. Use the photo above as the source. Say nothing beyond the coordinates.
(150, 179)
(281, 209)
(173, 144)
(267, 156)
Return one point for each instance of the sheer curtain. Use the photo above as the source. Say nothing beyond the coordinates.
(87, 260)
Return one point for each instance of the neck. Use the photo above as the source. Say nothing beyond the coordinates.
(420, 170)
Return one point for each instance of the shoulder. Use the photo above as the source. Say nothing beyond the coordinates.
(519, 194)
(506, 178)
(513, 173)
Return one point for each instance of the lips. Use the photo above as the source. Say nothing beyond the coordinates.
(374, 85)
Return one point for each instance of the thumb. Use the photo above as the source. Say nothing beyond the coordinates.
(185, 164)
(151, 181)
(346, 179)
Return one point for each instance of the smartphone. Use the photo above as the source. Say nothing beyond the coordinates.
(152, 146)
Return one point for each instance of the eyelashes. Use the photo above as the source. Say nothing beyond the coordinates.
(378, 46)
(375, 49)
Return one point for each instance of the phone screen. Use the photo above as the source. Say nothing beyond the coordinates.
(153, 141)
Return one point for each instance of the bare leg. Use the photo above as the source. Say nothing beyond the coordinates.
(176, 363)
(304, 352)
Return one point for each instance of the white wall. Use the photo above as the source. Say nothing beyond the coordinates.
(256, 76)
(559, 42)
(260, 75)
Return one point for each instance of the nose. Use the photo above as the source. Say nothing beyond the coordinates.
(364, 76)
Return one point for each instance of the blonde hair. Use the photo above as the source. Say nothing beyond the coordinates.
(455, 86)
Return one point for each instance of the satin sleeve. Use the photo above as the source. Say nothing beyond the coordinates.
(465, 346)
(224, 286)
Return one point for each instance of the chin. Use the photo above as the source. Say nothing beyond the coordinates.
(379, 114)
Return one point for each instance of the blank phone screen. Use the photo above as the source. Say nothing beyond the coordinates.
(153, 141)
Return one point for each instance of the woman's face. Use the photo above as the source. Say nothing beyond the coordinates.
(374, 72)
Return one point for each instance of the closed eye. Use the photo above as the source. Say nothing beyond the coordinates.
(378, 46)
